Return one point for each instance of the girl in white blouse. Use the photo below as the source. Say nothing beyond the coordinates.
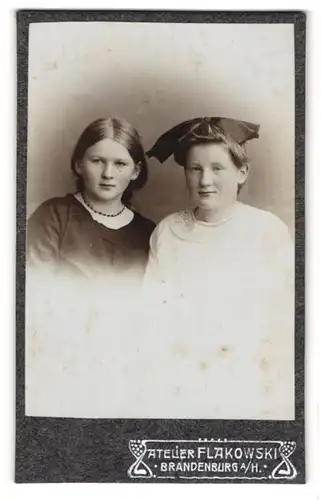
(223, 277)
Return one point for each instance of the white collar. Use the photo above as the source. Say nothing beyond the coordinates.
(185, 226)
(117, 222)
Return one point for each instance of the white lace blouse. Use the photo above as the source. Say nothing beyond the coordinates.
(224, 294)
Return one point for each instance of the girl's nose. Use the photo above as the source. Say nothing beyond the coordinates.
(108, 170)
(206, 178)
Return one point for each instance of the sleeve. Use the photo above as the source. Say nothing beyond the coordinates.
(154, 277)
(280, 260)
(159, 282)
(44, 234)
(153, 265)
(44, 231)
(279, 343)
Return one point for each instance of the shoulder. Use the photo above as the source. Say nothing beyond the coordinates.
(145, 224)
(54, 207)
(269, 233)
(263, 221)
(171, 225)
(169, 221)
(52, 217)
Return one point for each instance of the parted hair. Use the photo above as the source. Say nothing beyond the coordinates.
(124, 133)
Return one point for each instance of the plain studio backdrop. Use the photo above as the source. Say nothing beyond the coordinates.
(156, 75)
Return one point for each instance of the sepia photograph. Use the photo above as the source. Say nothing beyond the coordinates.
(160, 226)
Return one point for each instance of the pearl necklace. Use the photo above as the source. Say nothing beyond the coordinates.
(101, 213)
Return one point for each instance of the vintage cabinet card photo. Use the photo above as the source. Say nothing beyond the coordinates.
(160, 247)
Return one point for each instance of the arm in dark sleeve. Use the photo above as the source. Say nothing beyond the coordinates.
(45, 231)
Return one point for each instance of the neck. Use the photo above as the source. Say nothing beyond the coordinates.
(213, 216)
(105, 206)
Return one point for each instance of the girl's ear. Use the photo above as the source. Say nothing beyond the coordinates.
(78, 167)
(243, 173)
(136, 171)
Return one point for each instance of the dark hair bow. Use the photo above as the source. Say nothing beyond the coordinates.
(204, 127)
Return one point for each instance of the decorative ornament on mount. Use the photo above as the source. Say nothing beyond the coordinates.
(138, 468)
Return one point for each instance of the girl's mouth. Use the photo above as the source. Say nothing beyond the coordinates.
(207, 193)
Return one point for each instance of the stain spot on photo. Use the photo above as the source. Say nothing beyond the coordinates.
(51, 65)
(180, 349)
(264, 365)
(224, 349)
(203, 366)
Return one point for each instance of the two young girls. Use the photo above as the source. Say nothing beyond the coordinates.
(222, 271)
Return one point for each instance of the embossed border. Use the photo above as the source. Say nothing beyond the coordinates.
(96, 450)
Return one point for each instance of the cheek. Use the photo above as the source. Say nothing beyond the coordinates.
(124, 176)
(229, 181)
(191, 181)
(90, 171)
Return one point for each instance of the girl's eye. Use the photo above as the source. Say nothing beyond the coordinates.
(120, 163)
(196, 169)
(216, 168)
(96, 160)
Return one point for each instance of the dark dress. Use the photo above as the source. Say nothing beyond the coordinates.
(62, 234)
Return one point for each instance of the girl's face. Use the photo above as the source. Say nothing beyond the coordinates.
(106, 170)
(211, 176)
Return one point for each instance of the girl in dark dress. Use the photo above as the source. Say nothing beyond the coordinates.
(94, 230)
(86, 255)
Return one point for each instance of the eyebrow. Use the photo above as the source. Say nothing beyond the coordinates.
(213, 164)
(95, 155)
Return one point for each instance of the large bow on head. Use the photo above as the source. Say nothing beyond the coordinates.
(204, 127)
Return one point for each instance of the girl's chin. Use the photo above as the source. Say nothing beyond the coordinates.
(105, 196)
(208, 206)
